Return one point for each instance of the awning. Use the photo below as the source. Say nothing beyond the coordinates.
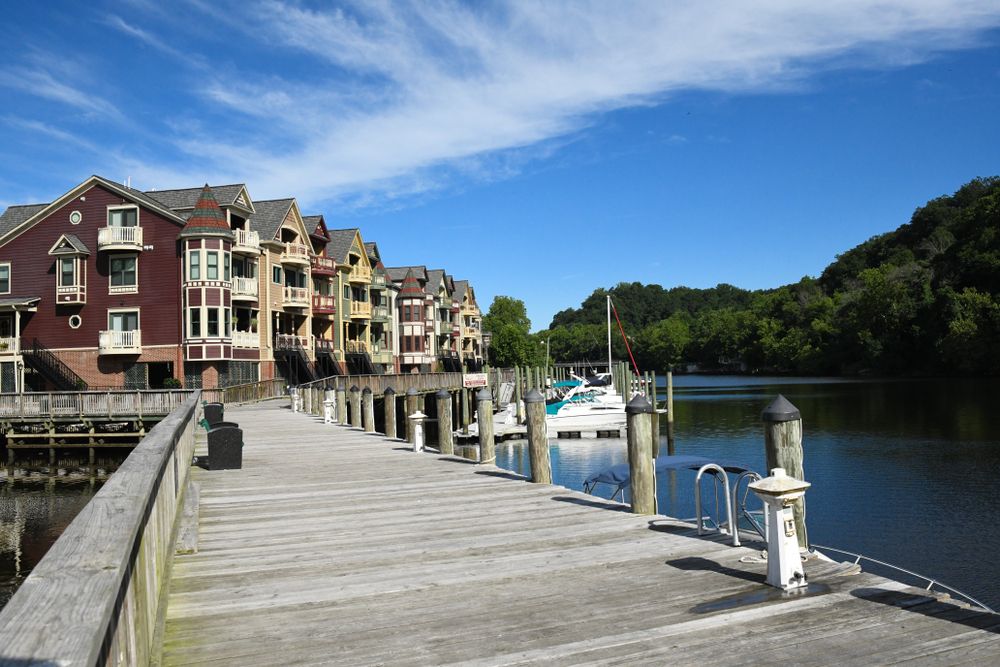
(22, 303)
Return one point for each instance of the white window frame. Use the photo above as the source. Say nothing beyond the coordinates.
(10, 278)
(208, 265)
(123, 289)
(133, 309)
(76, 271)
(196, 252)
(201, 323)
(123, 207)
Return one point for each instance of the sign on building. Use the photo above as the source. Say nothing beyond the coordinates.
(470, 380)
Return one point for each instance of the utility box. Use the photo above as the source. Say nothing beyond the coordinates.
(225, 448)
(779, 491)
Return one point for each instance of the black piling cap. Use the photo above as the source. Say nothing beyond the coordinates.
(389, 390)
(411, 392)
(484, 394)
(638, 405)
(443, 393)
(366, 390)
(780, 410)
(534, 396)
(355, 388)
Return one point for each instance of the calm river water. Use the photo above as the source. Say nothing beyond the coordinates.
(903, 471)
(35, 508)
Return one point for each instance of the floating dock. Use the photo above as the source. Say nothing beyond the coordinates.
(336, 547)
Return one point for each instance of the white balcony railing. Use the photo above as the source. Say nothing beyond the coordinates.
(246, 242)
(357, 346)
(290, 342)
(295, 253)
(246, 339)
(296, 296)
(10, 345)
(120, 342)
(323, 344)
(360, 274)
(323, 264)
(324, 303)
(361, 309)
(119, 238)
(380, 312)
(244, 288)
(378, 280)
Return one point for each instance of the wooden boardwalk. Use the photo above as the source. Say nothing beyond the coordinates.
(333, 547)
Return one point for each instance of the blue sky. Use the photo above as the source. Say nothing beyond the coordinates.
(539, 150)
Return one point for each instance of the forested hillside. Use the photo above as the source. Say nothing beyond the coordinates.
(923, 299)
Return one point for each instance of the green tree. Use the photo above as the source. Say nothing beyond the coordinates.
(664, 344)
(511, 344)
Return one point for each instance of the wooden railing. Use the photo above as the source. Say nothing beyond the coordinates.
(10, 345)
(244, 287)
(296, 296)
(248, 393)
(361, 309)
(119, 237)
(400, 383)
(94, 598)
(246, 339)
(246, 241)
(119, 403)
(120, 342)
(296, 253)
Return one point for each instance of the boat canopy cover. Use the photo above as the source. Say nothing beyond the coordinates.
(567, 383)
(618, 476)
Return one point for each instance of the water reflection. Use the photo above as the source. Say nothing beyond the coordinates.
(35, 508)
(905, 471)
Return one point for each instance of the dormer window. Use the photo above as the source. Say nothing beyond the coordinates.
(70, 269)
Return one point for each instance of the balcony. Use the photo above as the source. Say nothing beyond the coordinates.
(290, 342)
(378, 280)
(361, 310)
(323, 304)
(380, 313)
(10, 345)
(323, 265)
(120, 342)
(324, 346)
(296, 254)
(246, 242)
(357, 347)
(471, 332)
(296, 297)
(244, 289)
(249, 339)
(119, 238)
(360, 274)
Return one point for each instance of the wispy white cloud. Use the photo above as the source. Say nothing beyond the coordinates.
(50, 131)
(394, 93)
(40, 81)
(152, 40)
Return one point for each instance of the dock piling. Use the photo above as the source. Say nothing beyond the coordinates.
(341, 404)
(389, 406)
(484, 413)
(783, 449)
(368, 410)
(446, 444)
(640, 459)
(355, 406)
(410, 406)
(538, 439)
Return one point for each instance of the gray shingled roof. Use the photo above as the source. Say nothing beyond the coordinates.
(340, 244)
(434, 278)
(183, 199)
(398, 273)
(73, 246)
(14, 216)
(138, 195)
(372, 249)
(269, 216)
(460, 288)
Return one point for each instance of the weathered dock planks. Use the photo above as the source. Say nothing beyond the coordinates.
(332, 546)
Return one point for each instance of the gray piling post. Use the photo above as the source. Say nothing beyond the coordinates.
(640, 459)
(446, 445)
(341, 404)
(355, 406)
(670, 412)
(654, 431)
(466, 412)
(410, 407)
(390, 412)
(518, 406)
(484, 412)
(538, 438)
(783, 449)
(368, 410)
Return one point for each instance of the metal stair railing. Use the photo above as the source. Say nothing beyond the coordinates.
(49, 365)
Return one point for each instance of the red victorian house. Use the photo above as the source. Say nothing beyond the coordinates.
(109, 287)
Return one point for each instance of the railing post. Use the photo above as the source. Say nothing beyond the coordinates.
(484, 411)
(783, 449)
(368, 406)
(389, 406)
(538, 438)
(341, 404)
(640, 460)
(445, 443)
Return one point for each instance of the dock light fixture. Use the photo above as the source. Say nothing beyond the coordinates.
(418, 418)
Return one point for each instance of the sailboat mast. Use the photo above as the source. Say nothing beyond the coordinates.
(610, 371)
